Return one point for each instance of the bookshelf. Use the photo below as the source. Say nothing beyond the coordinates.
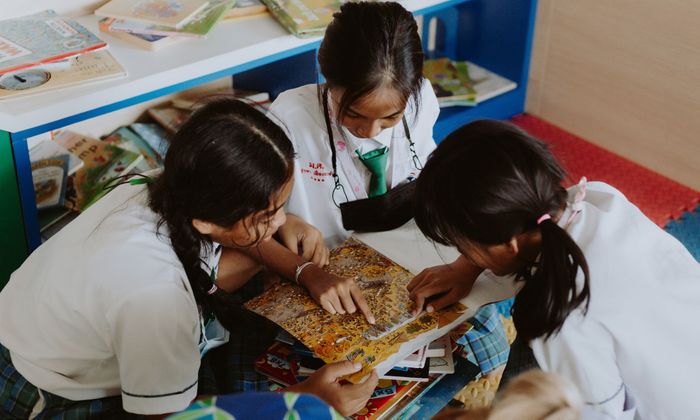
(496, 34)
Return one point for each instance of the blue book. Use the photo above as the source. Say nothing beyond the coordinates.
(154, 135)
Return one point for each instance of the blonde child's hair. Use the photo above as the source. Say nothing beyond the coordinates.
(533, 395)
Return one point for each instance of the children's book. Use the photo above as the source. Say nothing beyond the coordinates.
(463, 83)
(80, 70)
(42, 38)
(145, 41)
(246, 8)
(153, 134)
(103, 162)
(169, 117)
(198, 27)
(349, 337)
(170, 13)
(487, 84)
(279, 364)
(387, 394)
(48, 149)
(49, 177)
(127, 139)
(448, 82)
(303, 18)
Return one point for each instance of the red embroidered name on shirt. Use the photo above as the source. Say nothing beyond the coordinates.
(315, 173)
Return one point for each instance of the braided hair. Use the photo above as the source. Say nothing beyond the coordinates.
(227, 162)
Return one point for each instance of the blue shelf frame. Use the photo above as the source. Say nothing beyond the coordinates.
(496, 34)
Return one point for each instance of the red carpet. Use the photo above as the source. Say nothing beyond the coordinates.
(660, 198)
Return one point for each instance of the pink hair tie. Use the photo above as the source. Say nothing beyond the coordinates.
(544, 217)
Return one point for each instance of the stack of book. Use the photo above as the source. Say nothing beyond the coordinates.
(153, 24)
(71, 171)
(288, 362)
(304, 18)
(463, 83)
(44, 51)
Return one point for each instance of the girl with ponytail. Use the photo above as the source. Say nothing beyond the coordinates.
(111, 315)
(579, 255)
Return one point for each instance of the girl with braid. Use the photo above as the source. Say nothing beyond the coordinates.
(607, 298)
(110, 316)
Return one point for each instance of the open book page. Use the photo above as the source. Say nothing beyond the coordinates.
(336, 338)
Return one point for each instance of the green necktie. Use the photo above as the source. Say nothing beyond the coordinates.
(375, 162)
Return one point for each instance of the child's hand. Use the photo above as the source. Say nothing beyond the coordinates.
(449, 283)
(335, 294)
(347, 399)
(304, 239)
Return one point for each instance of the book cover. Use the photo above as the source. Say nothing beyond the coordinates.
(170, 13)
(42, 38)
(387, 394)
(153, 134)
(279, 364)
(463, 83)
(48, 149)
(349, 337)
(146, 41)
(127, 139)
(75, 71)
(103, 162)
(449, 83)
(246, 8)
(200, 25)
(303, 18)
(49, 178)
(487, 84)
(169, 117)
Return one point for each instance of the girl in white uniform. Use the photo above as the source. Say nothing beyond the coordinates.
(608, 299)
(375, 111)
(108, 316)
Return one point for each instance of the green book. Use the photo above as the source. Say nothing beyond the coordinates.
(198, 27)
(304, 18)
(450, 84)
(103, 163)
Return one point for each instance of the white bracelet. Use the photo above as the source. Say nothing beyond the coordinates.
(299, 269)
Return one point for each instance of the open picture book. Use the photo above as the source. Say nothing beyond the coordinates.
(335, 338)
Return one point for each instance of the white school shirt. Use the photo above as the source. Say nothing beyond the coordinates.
(638, 343)
(105, 308)
(300, 114)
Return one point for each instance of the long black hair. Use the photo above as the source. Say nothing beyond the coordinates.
(370, 45)
(490, 181)
(227, 162)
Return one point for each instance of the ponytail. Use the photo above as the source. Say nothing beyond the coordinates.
(551, 293)
(488, 182)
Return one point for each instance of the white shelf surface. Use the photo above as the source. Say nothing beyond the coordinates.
(232, 43)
